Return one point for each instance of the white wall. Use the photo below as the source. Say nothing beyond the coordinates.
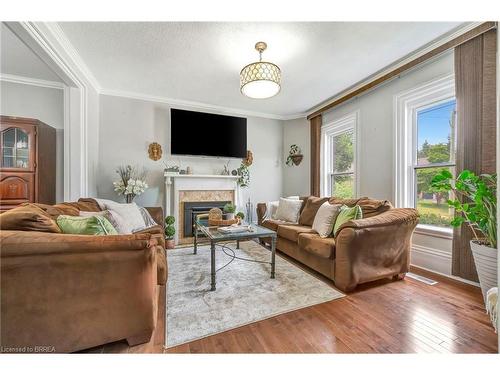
(296, 178)
(376, 175)
(376, 146)
(43, 103)
(128, 126)
(93, 156)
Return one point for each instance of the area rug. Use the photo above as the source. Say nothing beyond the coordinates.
(245, 292)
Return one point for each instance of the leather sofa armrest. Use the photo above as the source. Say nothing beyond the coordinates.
(395, 216)
(19, 243)
(74, 292)
(157, 215)
(372, 248)
(261, 212)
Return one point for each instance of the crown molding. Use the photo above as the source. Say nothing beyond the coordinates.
(12, 78)
(197, 105)
(72, 53)
(460, 30)
(65, 43)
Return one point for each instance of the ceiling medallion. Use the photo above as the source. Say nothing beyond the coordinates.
(260, 80)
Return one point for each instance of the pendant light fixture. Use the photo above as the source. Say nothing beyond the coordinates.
(260, 80)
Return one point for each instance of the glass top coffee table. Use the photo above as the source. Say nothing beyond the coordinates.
(215, 237)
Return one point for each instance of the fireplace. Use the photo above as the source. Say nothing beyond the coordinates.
(191, 209)
(201, 191)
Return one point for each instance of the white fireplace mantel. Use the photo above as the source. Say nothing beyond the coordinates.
(174, 183)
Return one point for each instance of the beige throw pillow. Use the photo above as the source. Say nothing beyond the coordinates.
(127, 215)
(288, 210)
(325, 219)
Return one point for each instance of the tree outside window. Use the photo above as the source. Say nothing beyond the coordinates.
(343, 172)
(338, 153)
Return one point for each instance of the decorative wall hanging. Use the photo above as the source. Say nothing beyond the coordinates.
(249, 159)
(155, 151)
(294, 156)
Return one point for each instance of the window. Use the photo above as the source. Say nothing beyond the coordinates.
(435, 150)
(339, 157)
(425, 144)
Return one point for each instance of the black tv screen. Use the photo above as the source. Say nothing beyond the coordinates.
(207, 134)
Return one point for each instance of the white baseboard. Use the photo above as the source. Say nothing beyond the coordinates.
(432, 259)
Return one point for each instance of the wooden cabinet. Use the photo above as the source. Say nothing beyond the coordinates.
(27, 162)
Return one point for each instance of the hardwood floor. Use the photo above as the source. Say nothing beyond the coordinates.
(386, 316)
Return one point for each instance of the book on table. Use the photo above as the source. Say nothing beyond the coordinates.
(234, 229)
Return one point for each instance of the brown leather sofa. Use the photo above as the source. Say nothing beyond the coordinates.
(374, 247)
(64, 293)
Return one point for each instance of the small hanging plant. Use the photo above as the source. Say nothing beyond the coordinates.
(294, 156)
(244, 175)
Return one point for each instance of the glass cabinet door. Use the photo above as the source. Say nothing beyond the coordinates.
(15, 148)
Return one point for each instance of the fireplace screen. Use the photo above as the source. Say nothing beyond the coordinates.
(191, 209)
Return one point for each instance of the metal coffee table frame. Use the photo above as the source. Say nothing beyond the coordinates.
(217, 238)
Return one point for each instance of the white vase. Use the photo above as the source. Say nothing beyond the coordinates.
(485, 258)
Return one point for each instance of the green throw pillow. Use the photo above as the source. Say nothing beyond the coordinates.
(96, 225)
(346, 214)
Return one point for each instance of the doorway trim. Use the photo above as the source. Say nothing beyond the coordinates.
(51, 46)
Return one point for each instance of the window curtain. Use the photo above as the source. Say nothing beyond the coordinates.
(475, 80)
(315, 154)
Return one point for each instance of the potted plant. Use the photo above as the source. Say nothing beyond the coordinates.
(241, 216)
(244, 175)
(475, 199)
(169, 232)
(229, 210)
(294, 156)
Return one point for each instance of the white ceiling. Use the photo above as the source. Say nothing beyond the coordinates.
(200, 61)
(18, 59)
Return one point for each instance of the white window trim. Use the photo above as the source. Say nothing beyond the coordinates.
(335, 127)
(405, 138)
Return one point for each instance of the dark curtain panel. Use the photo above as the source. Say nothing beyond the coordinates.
(315, 154)
(475, 80)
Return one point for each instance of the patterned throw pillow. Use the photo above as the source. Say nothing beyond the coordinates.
(92, 225)
(347, 213)
(106, 213)
(148, 219)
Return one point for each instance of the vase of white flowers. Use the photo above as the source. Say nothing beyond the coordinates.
(131, 183)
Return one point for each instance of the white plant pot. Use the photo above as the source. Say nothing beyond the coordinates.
(230, 216)
(485, 258)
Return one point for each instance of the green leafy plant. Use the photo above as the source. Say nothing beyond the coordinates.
(229, 208)
(244, 175)
(241, 215)
(475, 199)
(169, 227)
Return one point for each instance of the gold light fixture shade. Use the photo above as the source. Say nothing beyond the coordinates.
(260, 80)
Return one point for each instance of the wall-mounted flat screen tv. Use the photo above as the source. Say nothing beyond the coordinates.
(207, 134)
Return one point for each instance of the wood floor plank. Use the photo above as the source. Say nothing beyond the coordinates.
(381, 317)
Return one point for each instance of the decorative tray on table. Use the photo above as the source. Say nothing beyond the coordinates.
(215, 218)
